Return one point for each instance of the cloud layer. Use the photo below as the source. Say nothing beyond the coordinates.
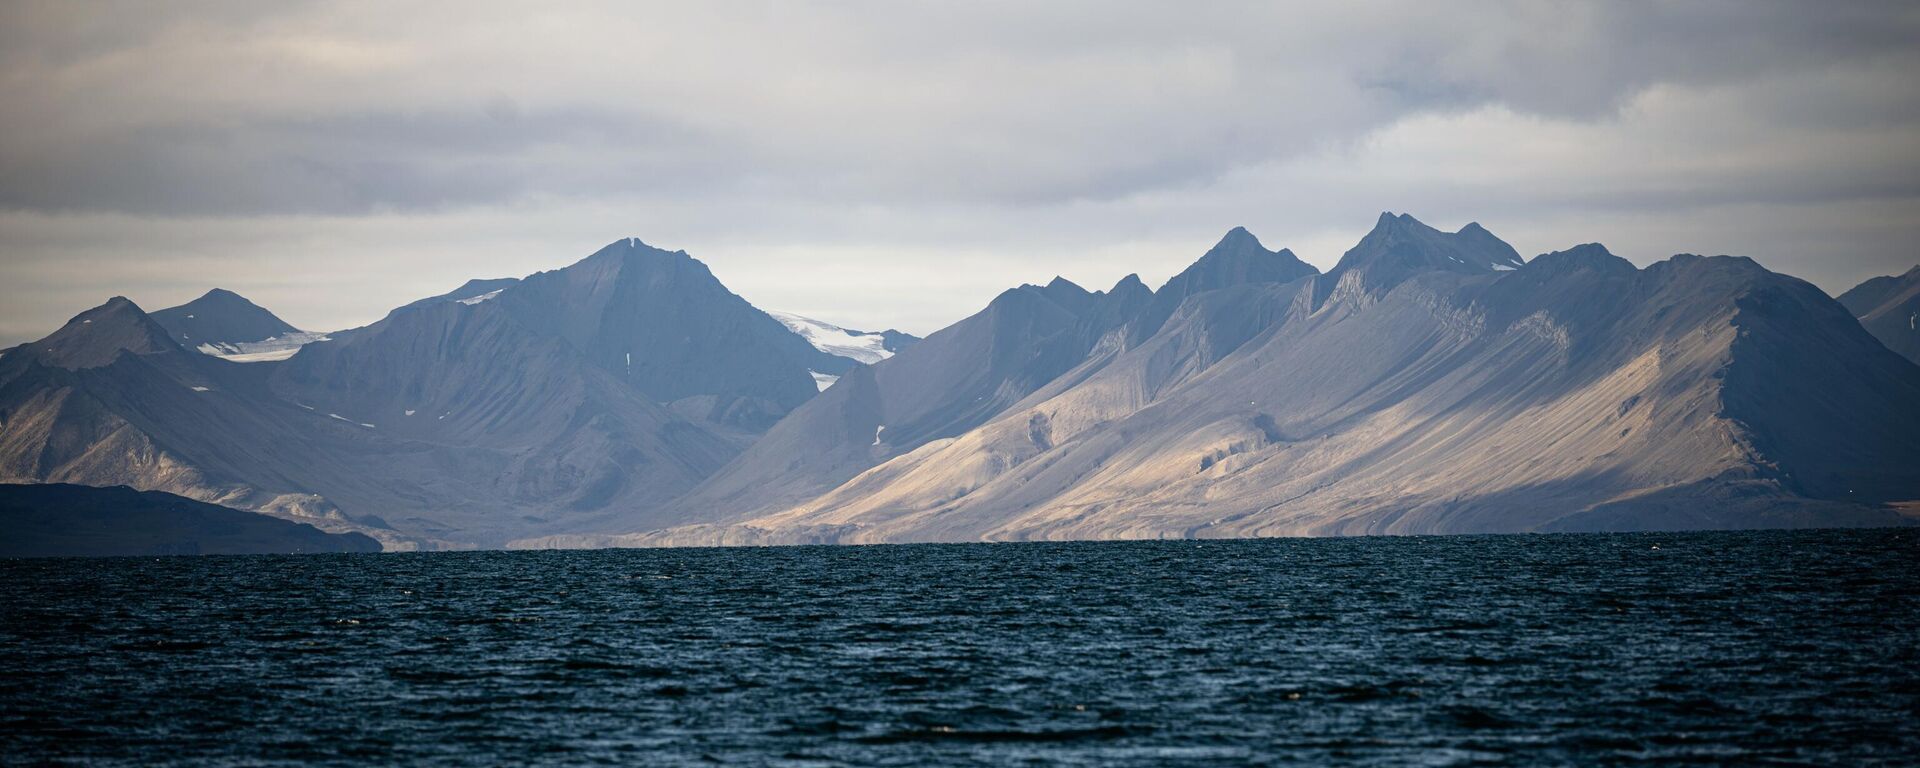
(895, 164)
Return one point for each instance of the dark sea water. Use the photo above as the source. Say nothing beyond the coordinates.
(1719, 648)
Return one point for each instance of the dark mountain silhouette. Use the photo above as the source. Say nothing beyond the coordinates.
(660, 321)
(59, 520)
(511, 431)
(220, 317)
(97, 336)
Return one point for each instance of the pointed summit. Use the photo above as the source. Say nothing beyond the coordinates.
(1239, 258)
(1237, 239)
(1059, 283)
(662, 322)
(1591, 256)
(1130, 284)
(221, 318)
(1401, 245)
(97, 336)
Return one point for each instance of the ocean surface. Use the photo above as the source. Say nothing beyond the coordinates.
(1712, 648)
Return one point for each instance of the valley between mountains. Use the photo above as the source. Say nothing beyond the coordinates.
(1431, 382)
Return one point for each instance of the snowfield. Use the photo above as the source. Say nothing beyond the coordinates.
(834, 340)
(275, 348)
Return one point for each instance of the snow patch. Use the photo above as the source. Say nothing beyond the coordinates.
(409, 413)
(200, 389)
(876, 433)
(349, 421)
(263, 351)
(835, 340)
(472, 300)
(823, 380)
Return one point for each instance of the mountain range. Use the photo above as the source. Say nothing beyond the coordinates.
(1430, 382)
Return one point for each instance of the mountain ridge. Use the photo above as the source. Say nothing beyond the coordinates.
(1431, 382)
(1889, 308)
(1624, 398)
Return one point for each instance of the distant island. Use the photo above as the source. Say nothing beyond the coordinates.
(62, 520)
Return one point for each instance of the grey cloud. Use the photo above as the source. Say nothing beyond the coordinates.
(356, 162)
(998, 104)
(332, 160)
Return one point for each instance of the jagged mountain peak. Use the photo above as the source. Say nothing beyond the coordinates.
(663, 322)
(221, 319)
(1237, 238)
(1238, 259)
(1130, 284)
(1061, 284)
(1238, 242)
(633, 252)
(632, 247)
(1400, 246)
(99, 335)
(1593, 256)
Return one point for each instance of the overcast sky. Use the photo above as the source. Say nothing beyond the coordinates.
(897, 164)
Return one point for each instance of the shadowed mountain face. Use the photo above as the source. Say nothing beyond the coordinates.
(1429, 384)
(472, 292)
(97, 336)
(503, 409)
(227, 326)
(1400, 247)
(80, 521)
(1889, 308)
(1238, 259)
(940, 387)
(220, 317)
(522, 435)
(469, 419)
(661, 322)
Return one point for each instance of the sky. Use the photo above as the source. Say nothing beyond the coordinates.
(897, 164)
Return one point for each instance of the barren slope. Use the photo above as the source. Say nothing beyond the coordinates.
(1576, 392)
